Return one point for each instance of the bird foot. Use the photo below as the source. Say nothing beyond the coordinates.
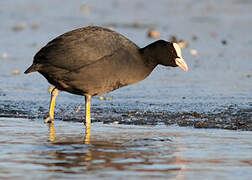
(49, 120)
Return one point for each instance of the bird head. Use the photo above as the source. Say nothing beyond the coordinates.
(169, 54)
(166, 53)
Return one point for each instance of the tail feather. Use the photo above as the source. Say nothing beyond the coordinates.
(32, 68)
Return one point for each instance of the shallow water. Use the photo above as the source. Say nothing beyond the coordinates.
(140, 133)
(121, 152)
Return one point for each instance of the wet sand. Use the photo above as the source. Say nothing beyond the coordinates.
(214, 95)
(232, 117)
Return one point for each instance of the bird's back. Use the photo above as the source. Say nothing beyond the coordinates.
(81, 47)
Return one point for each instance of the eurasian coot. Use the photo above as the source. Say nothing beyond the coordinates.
(94, 60)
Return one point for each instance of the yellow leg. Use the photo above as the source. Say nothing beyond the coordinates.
(88, 104)
(54, 95)
(88, 119)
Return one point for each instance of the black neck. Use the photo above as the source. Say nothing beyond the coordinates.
(149, 55)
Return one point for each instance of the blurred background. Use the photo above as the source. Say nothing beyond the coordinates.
(215, 38)
(217, 35)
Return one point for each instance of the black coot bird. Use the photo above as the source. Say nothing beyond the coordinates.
(94, 60)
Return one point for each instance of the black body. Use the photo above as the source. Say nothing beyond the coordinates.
(95, 60)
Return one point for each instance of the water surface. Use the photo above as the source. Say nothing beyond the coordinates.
(121, 152)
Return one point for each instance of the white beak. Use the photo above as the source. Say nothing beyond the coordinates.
(181, 63)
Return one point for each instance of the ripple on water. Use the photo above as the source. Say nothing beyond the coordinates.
(116, 150)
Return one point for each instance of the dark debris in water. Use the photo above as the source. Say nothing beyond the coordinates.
(232, 117)
(2, 94)
(154, 139)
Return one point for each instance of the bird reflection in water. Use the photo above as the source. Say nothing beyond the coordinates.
(86, 139)
(52, 133)
(133, 155)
